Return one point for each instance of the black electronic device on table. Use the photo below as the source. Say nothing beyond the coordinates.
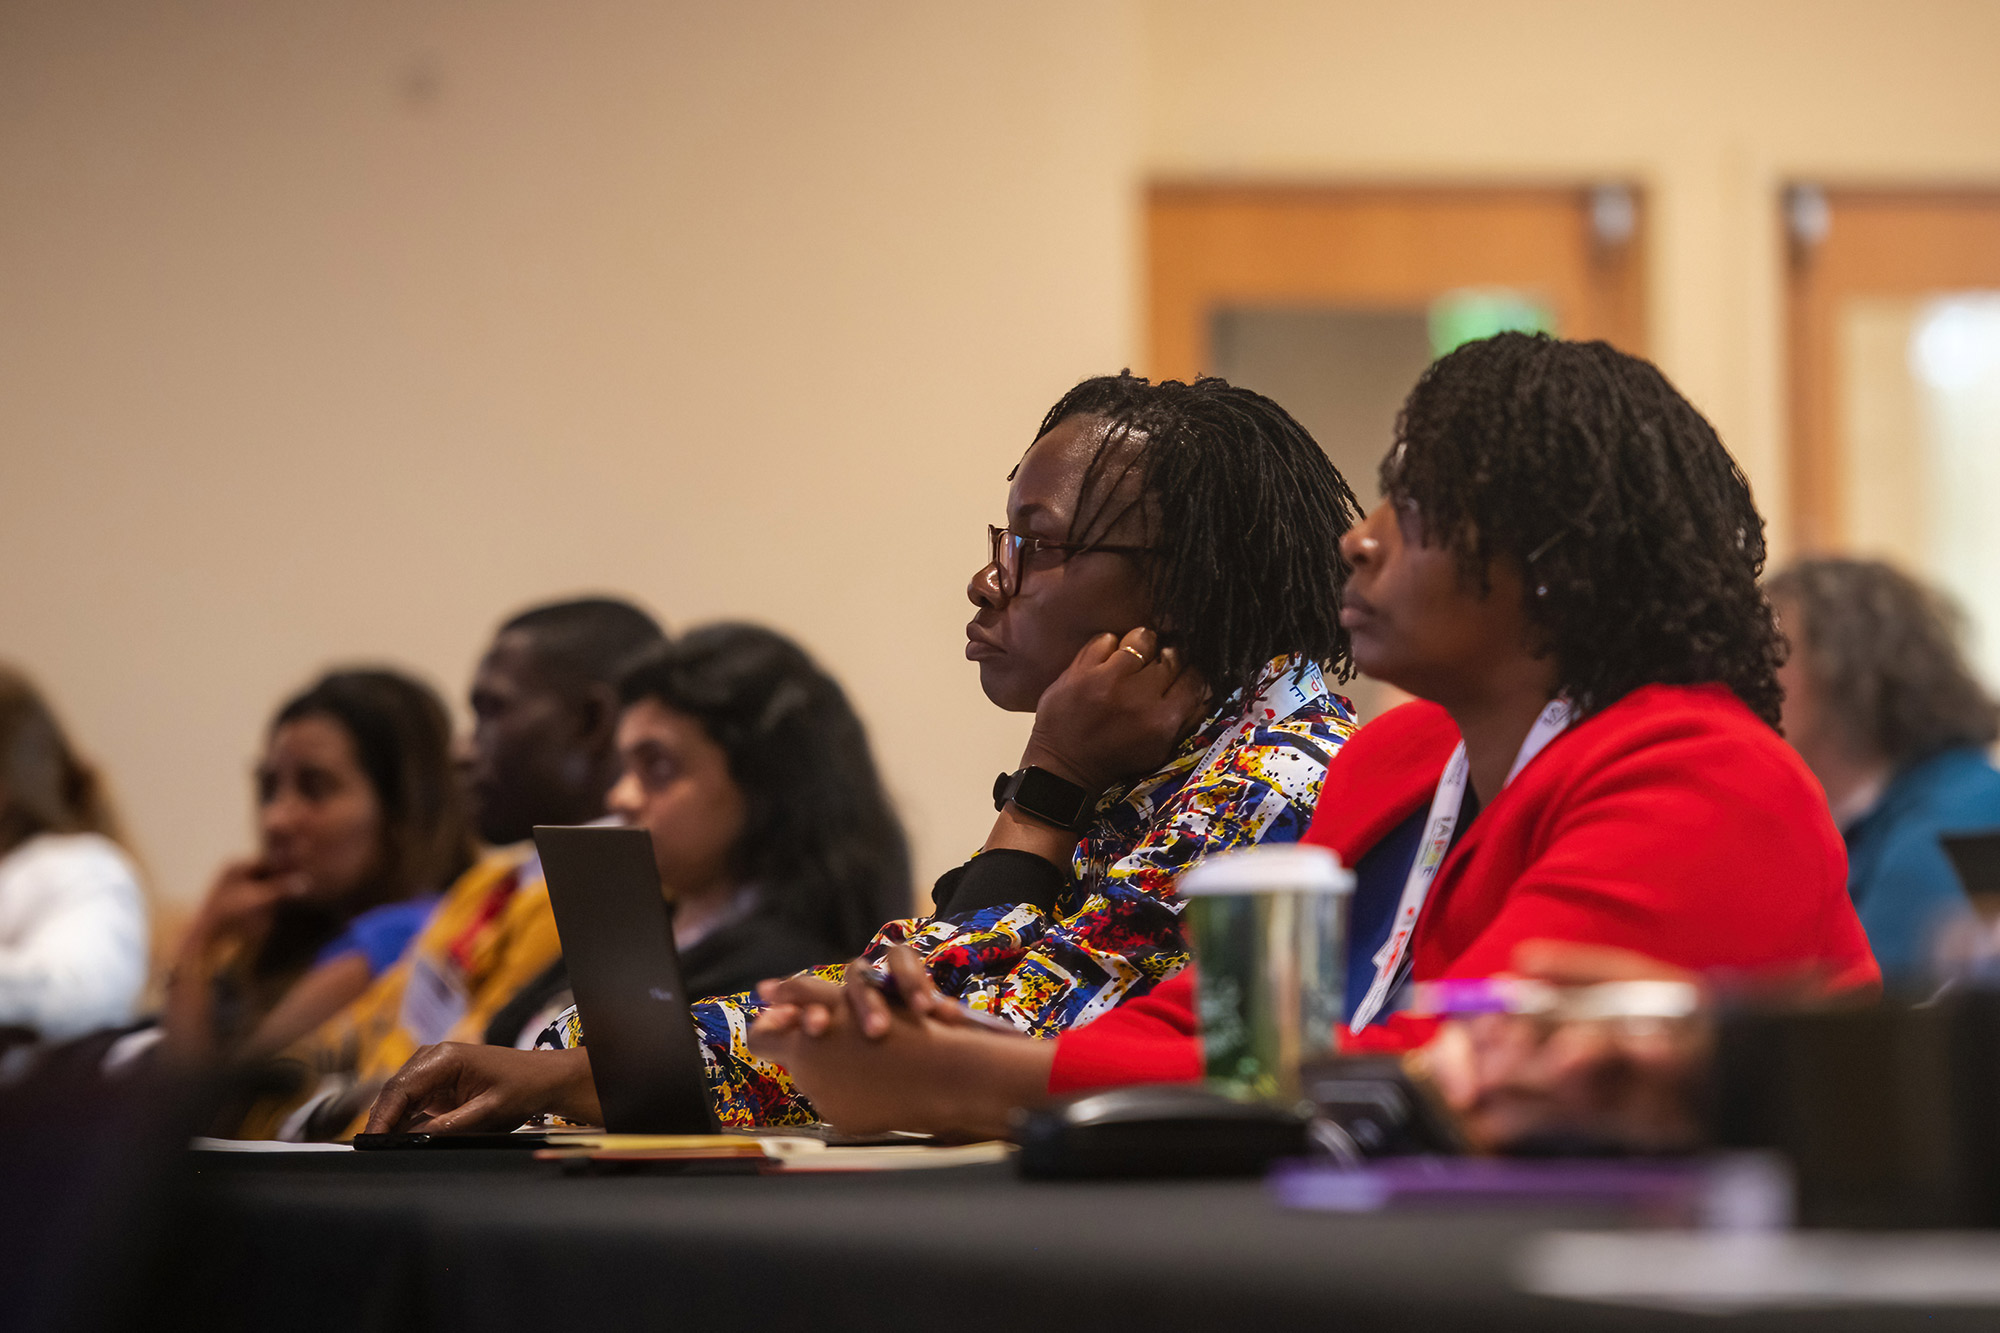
(1351, 1106)
(618, 942)
(1157, 1130)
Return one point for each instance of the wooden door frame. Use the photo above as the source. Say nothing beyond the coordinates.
(1869, 241)
(1211, 246)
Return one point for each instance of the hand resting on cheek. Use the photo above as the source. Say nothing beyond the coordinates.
(1118, 711)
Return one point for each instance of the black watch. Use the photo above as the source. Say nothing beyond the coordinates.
(1053, 800)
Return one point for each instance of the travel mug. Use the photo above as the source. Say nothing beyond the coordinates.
(1268, 930)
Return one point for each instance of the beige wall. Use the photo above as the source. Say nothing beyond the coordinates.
(335, 331)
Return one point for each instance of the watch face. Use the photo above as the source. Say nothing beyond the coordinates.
(1038, 792)
(1050, 797)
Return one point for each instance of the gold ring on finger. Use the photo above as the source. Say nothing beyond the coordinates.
(1128, 648)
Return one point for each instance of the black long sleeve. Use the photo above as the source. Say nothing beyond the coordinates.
(1001, 877)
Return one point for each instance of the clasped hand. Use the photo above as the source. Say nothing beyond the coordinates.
(920, 1061)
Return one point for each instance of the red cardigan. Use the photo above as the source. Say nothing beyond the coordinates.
(1674, 824)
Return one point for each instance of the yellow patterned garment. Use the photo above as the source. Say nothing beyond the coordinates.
(1250, 773)
(492, 933)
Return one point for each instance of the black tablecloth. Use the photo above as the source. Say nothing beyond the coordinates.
(486, 1241)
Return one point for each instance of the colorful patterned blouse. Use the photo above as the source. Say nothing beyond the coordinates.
(1247, 775)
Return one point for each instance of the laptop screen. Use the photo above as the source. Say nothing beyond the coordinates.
(618, 941)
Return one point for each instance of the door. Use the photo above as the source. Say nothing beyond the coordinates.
(1893, 330)
(1333, 299)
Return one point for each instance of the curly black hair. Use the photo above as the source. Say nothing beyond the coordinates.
(1888, 654)
(821, 835)
(1246, 512)
(1631, 525)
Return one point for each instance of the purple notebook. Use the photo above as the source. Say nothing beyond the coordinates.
(1683, 1191)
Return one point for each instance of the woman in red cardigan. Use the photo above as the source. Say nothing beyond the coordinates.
(1564, 572)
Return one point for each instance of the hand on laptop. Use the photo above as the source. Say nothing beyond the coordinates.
(455, 1088)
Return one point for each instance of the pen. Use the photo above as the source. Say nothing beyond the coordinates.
(1605, 1000)
(892, 990)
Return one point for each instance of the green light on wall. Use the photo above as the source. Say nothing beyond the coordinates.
(1480, 312)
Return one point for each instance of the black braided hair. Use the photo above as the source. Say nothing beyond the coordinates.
(1632, 527)
(1245, 511)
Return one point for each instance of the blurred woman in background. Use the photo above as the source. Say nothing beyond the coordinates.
(360, 823)
(1880, 703)
(73, 931)
(770, 827)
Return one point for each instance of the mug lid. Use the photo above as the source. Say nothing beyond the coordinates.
(1291, 868)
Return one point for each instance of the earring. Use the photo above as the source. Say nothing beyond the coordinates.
(1541, 590)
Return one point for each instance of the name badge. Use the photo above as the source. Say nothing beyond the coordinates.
(433, 1003)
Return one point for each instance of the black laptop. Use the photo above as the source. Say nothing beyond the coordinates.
(618, 941)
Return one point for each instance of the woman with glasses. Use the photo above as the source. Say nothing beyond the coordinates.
(1563, 571)
(1164, 598)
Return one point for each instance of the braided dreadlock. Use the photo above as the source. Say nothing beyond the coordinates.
(1248, 514)
(1632, 526)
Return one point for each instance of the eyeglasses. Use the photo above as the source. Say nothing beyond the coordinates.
(1007, 548)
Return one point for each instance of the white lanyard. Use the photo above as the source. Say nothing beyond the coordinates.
(1445, 807)
(1280, 699)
